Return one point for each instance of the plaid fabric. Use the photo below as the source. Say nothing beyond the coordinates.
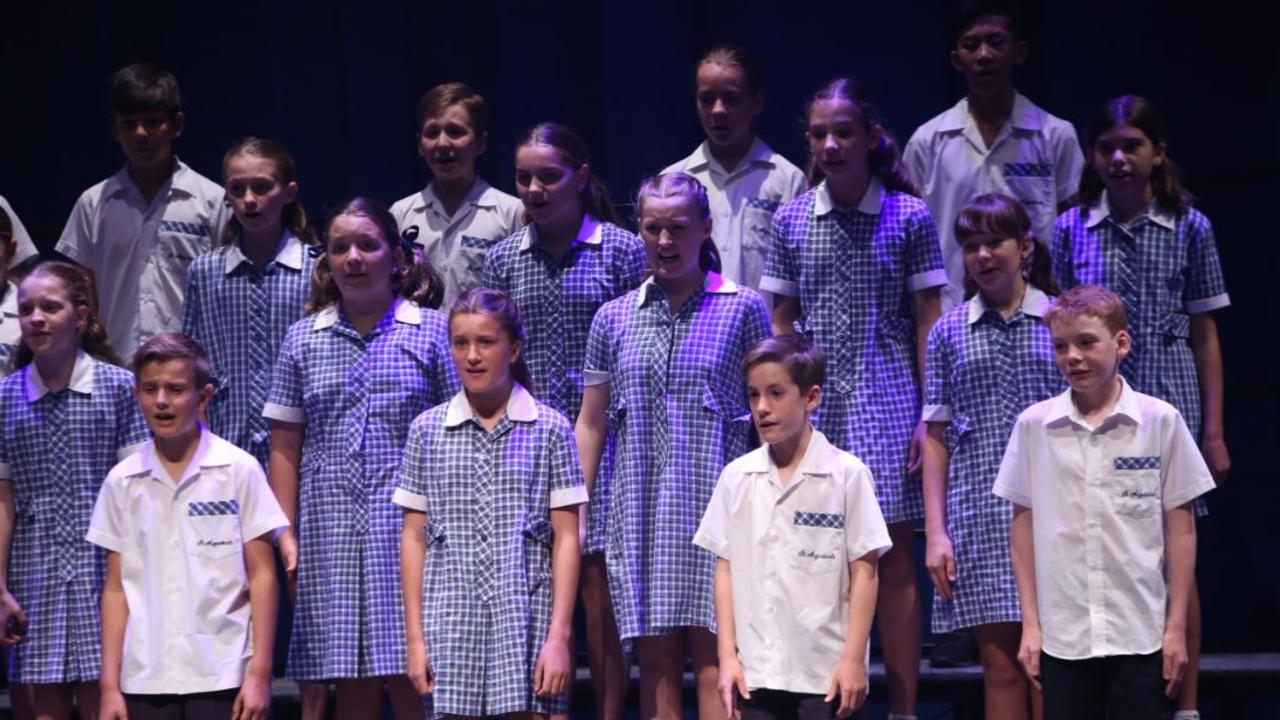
(853, 271)
(213, 508)
(241, 318)
(822, 520)
(57, 451)
(979, 376)
(681, 415)
(488, 496)
(1151, 462)
(357, 396)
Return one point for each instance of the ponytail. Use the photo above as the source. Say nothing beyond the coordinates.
(1003, 216)
(81, 293)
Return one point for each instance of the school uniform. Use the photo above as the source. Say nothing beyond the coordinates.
(10, 331)
(55, 449)
(853, 271)
(1035, 159)
(139, 252)
(26, 249)
(488, 496)
(681, 415)
(356, 396)
(240, 314)
(181, 545)
(743, 200)
(789, 548)
(981, 371)
(1098, 496)
(456, 245)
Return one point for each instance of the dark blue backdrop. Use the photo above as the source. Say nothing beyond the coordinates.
(337, 83)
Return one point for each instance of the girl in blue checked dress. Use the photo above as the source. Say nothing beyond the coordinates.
(1136, 232)
(667, 357)
(242, 297)
(855, 265)
(988, 359)
(491, 489)
(67, 416)
(560, 268)
(351, 377)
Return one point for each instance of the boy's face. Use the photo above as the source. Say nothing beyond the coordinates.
(987, 53)
(169, 398)
(449, 144)
(147, 138)
(726, 107)
(1088, 354)
(778, 406)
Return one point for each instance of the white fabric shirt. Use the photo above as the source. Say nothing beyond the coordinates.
(789, 551)
(26, 248)
(742, 204)
(10, 332)
(182, 564)
(1097, 497)
(139, 252)
(456, 246)
(1035, 158)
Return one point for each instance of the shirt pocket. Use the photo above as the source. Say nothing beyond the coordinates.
(213, 528)
(1137, 486)
(1032, 185)
(757, 223)
(179, 243)
(473, 249)
(818, 542)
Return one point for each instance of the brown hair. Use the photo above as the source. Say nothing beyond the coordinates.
(1166, 180)
(499, 306)
(573, 154)
(442, 97)
(1092, 300)
(81, 293)
(1004, 217)
(739, 57)
(805, 362)
(8, 245)
(678, 184)
(292, 217)
(884, 159)
(175, 346)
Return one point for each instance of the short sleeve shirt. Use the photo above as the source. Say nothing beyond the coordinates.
(26, 248)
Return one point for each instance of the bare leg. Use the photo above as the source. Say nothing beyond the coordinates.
(406, 703)
(610, 672)
(359, 699)
(1006, 691)
(1189, 693)
(87, 698)
(706, 673)
(661, 675)
(898, 615)
(315, 700)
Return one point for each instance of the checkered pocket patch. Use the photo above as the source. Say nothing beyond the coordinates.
(1145, 462)
(1028, 170)
(763, 204)
(825, 520)
(213, 507)
(478, 243)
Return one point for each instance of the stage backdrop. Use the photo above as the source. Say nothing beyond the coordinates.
(337, 83)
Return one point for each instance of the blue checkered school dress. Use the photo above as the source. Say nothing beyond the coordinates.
(557, 301)
(357, 397)
(488, 496)
(981, 371)
(240, 314)
(57, 451)
(854, 271)
(681, 415)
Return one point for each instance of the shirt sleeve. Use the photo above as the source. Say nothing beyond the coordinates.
(493, 275)
(915, 161)
(1060, 251)
(191, 303)
(598, 363)
(1013, 481)
(25, 247)
(131, 427)
(6, 473)
(260, 512)
(77, 238)
(864, 528)
(632, 264)
(1185, 476)
(923, 264)
(715, 520)
(284, 402)
(444, 382)
(1206, 289)
(937, 374)
(568, 488)
(1068, 163)
(799, 185)
(755, 324)
(781, 274)
(411, 486)
(106, 525)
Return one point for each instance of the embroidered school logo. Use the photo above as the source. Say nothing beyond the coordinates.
(479, 243)
(1028, 170)
(186, 228)
(763, 204)
(826, 520)
(214, 507)
(1146, 462)
(812, 555)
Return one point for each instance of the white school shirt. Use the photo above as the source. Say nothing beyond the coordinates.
(25, 247)
(10, 331)
(1035, 158)
(742, 204)
(139, 253)
(1097, 497)
(182, 564)
(789, 551)
(456, 246)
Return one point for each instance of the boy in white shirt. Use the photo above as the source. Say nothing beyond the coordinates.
(1103, 537)
(189, 602)
(797, 533)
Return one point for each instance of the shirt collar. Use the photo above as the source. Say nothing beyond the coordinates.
(9, 306)
(520, 407)
(1034, 303)
(870, 204)
(817, 458)
(210, 453)
(289, 255)
(758, 154)
(481, 195)
(81, 378)
(1064, 407)
(713, 284)
(183, 179)
(405, 312)
(1024, 115)
(589, 234)
(1102, 210)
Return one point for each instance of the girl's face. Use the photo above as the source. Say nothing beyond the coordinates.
(256, 193)
(1124, 158)
(50, 323)
(449, 144)
(726, 107)
(360, 259)
(549, 188)
(995, 262)
(673, 230)
(483, 352)
(839, 139)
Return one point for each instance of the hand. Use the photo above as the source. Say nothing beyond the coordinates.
(1175, 661)
(11, 612)
(732, 680)
(849, 686)
(111, 706)
(940, 559)
(554, 669)
(1029, 653)
(253, 702)
(1214, 450)
(915, 451)
(288, 544)
(424, 681)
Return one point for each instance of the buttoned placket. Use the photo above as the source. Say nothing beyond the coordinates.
(1096, 476)
(60, 449)
(259, 352)
(990, 171)
(851, 252)
(359, 382)
(1127, 285)
(485, 445)
(775, 554)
